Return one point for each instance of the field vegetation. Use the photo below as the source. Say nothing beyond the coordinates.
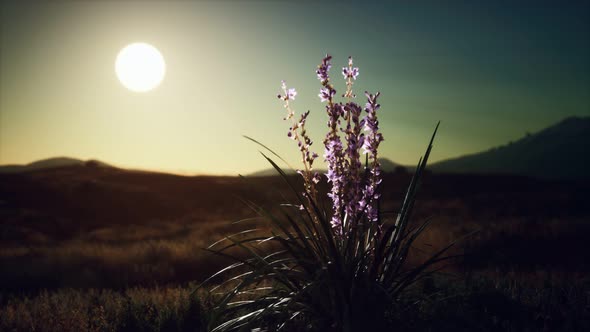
(62, 272)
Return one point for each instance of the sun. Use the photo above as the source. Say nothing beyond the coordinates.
(140, 67)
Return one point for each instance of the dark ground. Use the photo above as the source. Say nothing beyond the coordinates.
(85, 227)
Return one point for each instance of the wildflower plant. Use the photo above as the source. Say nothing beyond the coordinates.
(335, 266)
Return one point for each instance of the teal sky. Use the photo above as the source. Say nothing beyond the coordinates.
(489, 71)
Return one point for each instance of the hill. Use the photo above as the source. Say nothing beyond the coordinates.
(89, 227)
(50, 163)
(557, 152)
(64, 200)
(82, 195)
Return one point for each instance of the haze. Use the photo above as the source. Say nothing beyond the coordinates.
(490, 72)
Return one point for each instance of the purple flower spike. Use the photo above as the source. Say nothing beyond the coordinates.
(350, 72)
(353, 196)
(298, 133)
(289, 94)
(326, 94)
(323, 69)
(370, 147)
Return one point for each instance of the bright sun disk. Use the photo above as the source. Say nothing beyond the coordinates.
(140, 67)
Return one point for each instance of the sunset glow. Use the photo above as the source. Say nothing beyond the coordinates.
(140, 67)
(173, 85)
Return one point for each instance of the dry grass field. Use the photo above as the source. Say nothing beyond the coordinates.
(102, 249)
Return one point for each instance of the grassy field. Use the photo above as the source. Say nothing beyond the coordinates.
(446, 303)
(90, 249)
(134, 309)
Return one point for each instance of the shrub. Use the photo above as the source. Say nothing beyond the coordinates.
(330, 267)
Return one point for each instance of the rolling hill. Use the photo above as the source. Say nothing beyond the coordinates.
(556, 152)
(49, 164)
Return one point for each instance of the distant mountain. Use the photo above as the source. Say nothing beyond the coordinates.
(557, 152)
(386, 165)
(272, 171)
(50, 163)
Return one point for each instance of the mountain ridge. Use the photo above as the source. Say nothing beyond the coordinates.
(555, 152)
(49, 163)
(558, 151)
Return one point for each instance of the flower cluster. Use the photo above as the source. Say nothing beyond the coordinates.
(352, 195)
(323, 69)
(334, 150)
(335, 263)
(298, 133)
(355, 140)
(350, 73)
(370, 147)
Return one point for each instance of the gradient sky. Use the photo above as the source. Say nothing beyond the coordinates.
(490, 71)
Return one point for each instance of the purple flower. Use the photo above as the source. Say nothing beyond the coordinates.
(298, 133)
(371, 125)
(354, 139)
(289, 94)
(350, 72)
(326, 94)
(353, 199)
(334, 157)
(372, 104)
(370, 147)
(354, 72)
(323, 69)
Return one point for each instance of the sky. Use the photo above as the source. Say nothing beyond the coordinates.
(490, 71)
